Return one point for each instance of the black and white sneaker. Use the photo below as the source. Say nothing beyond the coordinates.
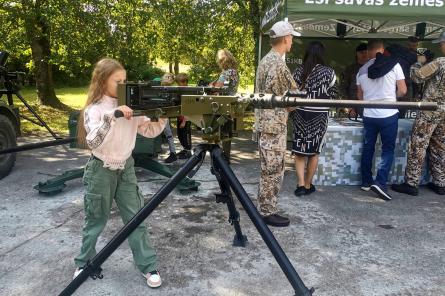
(380, 192)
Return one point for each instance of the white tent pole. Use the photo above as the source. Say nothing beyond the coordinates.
(435, 24)
(301, 20)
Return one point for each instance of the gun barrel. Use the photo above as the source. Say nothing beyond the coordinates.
(267, 101)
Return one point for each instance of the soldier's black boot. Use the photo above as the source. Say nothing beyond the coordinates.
(405, 188)
(276, 220)
(438, 189)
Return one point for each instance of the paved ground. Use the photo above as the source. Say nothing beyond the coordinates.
(341, 241)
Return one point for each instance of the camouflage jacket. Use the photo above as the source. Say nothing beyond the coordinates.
(273, 77)
(433, 74)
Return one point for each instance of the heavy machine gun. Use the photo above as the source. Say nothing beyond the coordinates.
(9, 80)
(219, 116)
(10, 85)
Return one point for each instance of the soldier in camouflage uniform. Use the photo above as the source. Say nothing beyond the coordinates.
(273, 77)
(429, 127)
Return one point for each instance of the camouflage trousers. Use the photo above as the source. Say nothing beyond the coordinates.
(272, 172)
(428, 134)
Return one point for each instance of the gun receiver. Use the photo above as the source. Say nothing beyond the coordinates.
(146, 96)
(215, 113)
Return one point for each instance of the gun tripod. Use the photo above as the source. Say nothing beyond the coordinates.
(40, 122)
(227, 180)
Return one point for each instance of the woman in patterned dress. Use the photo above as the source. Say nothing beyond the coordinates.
(310, 123)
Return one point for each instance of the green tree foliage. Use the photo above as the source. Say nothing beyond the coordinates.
(191, 32)
(60, 40)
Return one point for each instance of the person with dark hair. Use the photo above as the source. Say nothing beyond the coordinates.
(348, 85)
(413, 43)
(310, 123)
(406, 56)
(380, 79)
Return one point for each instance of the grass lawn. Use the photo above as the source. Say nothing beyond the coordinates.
(56, 119)
(74, 97)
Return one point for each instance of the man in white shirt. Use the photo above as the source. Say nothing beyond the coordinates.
(380, 79)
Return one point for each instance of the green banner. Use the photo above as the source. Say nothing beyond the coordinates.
(391, 10)
(275, 12)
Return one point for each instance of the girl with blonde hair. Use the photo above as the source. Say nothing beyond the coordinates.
(109, 173)
(229, 75)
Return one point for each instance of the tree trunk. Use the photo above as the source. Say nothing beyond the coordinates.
(38, 35)
(176, 67)
(170, 67)
(43, 74)
(255, 14)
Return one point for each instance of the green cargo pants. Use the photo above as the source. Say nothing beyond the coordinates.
(102, 186)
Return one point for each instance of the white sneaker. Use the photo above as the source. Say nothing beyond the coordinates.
(153, 279)
(77, 272)
(365, 188)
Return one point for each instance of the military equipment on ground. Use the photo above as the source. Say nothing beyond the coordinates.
(10, 84)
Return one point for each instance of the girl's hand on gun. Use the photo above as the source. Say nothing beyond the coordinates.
(128, 112)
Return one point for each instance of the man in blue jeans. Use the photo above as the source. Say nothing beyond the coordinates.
(380, 79)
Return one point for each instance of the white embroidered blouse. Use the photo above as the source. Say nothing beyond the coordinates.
(113, 139)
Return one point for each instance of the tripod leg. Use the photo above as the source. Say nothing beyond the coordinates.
(42, 122)
(266, 234)
(140, 216)
(226, 197)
